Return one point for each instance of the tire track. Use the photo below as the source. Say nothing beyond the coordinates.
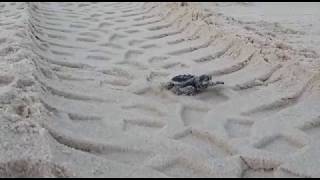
(107, 59)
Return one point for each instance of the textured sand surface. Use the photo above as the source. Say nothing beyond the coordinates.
(81, 96)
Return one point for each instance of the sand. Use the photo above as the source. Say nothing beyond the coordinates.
(81, 90)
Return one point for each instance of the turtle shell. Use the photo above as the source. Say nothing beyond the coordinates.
(182, 78)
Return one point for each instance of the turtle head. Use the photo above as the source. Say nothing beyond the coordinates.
(169, 85)
(205, 77)
(205, 80)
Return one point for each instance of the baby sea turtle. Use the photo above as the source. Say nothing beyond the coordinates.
(190, 85)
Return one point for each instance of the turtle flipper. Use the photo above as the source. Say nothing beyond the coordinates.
(215, 83)
(219, 82)
(188, 91)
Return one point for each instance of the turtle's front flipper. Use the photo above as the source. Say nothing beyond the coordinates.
(219, 82)
(215, 83)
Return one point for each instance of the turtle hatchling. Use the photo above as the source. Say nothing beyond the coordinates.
(190, 85)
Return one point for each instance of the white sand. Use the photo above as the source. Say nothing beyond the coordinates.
(80, 90)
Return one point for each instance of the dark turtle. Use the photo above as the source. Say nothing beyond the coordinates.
(189, 84)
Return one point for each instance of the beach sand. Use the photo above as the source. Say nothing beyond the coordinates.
(81, 89)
